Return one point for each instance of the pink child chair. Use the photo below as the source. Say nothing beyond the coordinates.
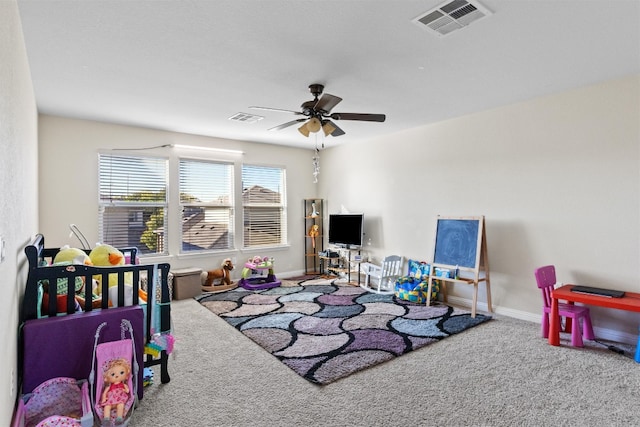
(546, 278)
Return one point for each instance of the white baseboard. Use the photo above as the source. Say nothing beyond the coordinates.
(601, 333)
(285, 274)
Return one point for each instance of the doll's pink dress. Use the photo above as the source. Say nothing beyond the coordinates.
(116, 395)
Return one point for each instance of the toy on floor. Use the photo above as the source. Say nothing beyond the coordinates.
(414, 287)
(59, 401)
(147, 377)
(253, 274)
(222, 274)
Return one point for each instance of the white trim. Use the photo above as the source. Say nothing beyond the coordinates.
(200, 147)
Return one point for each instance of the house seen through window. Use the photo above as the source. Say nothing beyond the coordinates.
(134, 208)
(264, 206)
(133, 202)
(206, 200)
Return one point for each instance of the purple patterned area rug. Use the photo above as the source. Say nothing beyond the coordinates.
(325, 331)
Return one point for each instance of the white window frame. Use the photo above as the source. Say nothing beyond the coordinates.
(262, 191)
(119, 178)
(214, 181)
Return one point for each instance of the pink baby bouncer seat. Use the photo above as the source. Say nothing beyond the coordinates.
(107, 354)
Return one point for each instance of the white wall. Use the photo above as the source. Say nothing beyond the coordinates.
(19, 191)
(69, 183)
(558, 179)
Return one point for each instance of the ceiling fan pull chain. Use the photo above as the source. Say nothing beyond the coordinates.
(316, 163)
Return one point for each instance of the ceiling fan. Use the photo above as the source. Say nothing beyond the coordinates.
(317, 114)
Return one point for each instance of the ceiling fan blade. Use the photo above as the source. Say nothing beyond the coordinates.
(359, 116)
(286, 125)
(274, 109)
(327, 102)
(337, 131)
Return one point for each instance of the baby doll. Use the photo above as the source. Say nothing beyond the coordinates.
(116, 390)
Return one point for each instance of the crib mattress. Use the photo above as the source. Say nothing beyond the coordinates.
(63, 346)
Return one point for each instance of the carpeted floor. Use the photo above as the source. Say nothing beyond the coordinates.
(324, 331)
(499, 374)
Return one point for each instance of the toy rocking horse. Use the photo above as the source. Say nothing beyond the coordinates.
(222, 274)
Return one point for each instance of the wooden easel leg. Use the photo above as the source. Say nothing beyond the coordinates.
(488, 288)
(475, 299)
(429, 288)
(485, 258)
(443, 289)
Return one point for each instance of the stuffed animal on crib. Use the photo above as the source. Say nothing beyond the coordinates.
(223, 274)
(66, 256)
(116, 391)
(104, 255)
(69, 255)
(61, 300)
(72, 256)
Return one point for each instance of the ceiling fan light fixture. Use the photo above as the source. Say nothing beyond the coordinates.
(313, 125)
(316, 113)
(328, 128)
(304, 130)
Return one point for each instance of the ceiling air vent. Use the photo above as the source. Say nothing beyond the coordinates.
(245, 118)
(451, 16)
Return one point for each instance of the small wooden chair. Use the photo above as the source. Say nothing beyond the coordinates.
(546, 279)
(381, 279)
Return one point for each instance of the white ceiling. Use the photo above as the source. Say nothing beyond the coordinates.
(188, 66)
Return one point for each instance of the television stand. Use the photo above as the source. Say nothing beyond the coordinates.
(344, 264)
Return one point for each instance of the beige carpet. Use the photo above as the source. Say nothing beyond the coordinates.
(500, 374)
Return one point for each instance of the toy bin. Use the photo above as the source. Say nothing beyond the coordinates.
(186, 283)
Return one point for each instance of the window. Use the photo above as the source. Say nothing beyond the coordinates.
(134, 205)
(264, 206)
(206, 201)
(133, 202)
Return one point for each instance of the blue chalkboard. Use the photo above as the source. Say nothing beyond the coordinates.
(457, 242)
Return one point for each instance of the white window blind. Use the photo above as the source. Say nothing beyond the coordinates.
(264, 206)
(133, 202)
(206, 200)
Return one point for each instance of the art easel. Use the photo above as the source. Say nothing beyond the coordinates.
(460, 246)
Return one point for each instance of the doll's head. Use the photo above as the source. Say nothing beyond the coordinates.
(116, 371)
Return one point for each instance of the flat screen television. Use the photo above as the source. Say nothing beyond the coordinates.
(346, 230)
